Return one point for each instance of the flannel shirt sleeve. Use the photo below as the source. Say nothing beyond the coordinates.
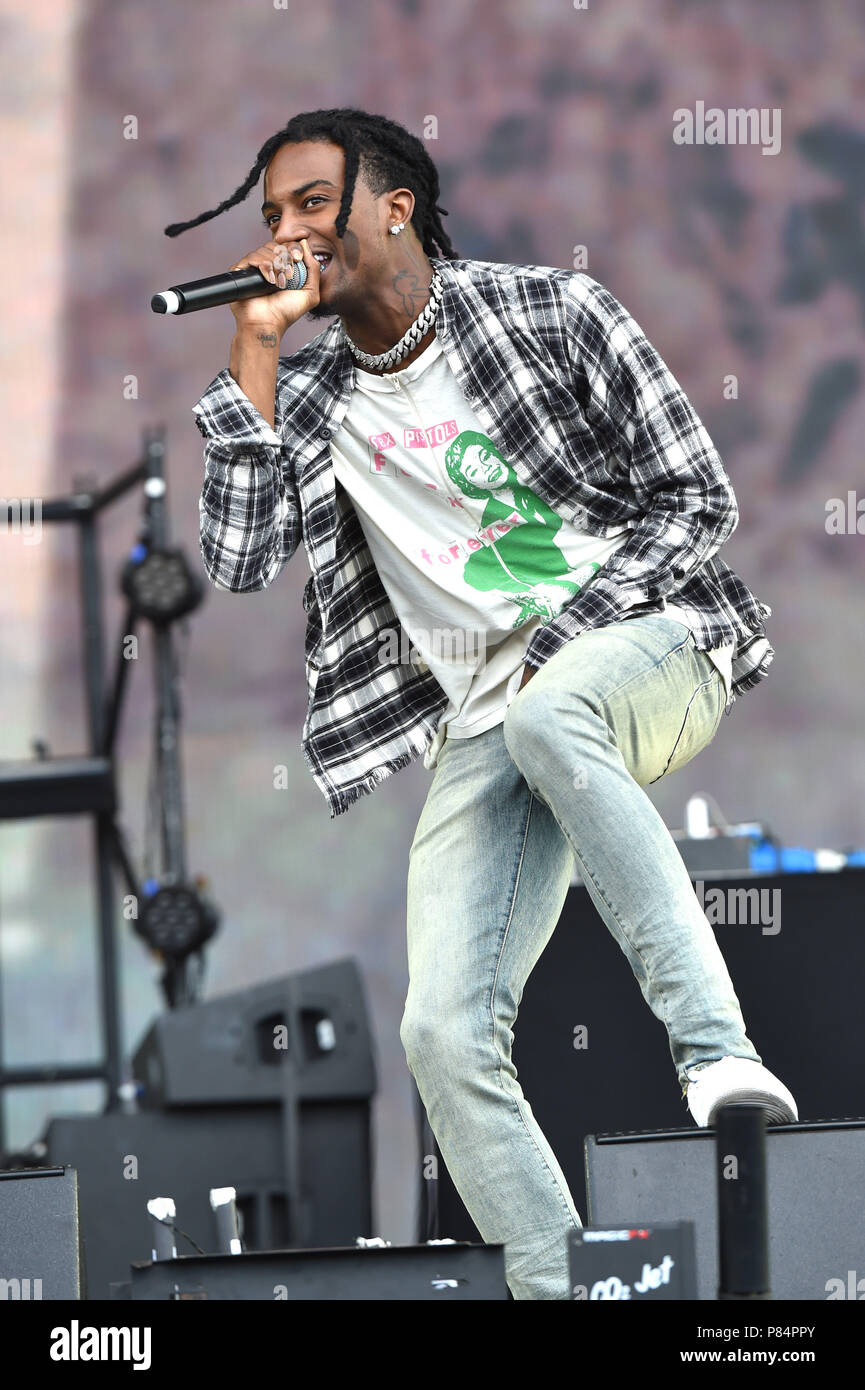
(249, 513)
(639, 411)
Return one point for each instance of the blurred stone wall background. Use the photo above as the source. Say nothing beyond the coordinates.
(554, 131)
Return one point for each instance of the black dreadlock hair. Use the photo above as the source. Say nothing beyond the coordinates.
(387, 154)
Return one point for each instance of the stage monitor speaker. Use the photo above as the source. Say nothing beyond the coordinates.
(816, 1199)
(40, 1235)
(235, 1049)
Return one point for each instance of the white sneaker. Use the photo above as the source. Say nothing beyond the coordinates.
(738, 1081)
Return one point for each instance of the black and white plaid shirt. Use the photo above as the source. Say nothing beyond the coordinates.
(570, 390)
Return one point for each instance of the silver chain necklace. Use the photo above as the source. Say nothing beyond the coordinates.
(410, 338)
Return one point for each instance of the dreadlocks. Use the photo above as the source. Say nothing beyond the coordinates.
(387, 154)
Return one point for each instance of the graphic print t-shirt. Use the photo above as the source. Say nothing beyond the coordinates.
(472, 560)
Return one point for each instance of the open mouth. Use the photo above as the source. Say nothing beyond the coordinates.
(323, 260)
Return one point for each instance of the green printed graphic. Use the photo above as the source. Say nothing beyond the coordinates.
(524, 564)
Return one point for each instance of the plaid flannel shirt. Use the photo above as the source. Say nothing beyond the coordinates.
(566, 384)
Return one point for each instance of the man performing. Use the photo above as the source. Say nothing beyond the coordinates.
(512, 516)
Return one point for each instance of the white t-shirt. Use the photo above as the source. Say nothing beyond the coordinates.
(472, 560)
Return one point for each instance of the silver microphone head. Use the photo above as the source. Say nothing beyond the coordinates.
(299, 276)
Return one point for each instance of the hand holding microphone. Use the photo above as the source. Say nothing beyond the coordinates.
(280, 310)
(296, 282)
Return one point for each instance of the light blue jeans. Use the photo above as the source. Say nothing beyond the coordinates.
(490, 865)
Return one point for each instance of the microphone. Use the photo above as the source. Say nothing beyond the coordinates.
(223, 289)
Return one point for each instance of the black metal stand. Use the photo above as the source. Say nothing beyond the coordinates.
(743, 1203)
(86, 785)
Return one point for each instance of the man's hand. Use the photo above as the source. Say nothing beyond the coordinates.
(528, 672)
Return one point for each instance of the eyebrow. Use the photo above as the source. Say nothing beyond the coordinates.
(299, 191)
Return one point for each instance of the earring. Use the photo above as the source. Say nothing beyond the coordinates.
(394, 231)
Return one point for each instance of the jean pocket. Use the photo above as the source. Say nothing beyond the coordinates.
(700, 722)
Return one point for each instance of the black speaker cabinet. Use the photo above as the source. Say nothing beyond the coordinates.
(799, 981)
(816, 1200)
(40, 1235)
(266, 1090)
(309, 1031)
(124, 1160)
